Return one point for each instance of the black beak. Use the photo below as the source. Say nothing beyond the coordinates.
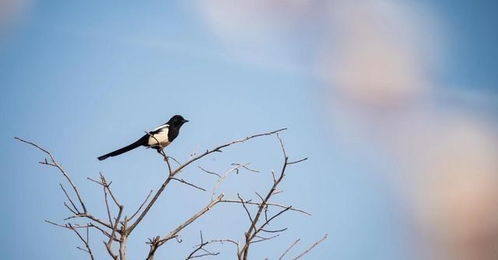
(185, 121)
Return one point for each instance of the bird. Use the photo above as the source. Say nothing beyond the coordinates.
(158, 138)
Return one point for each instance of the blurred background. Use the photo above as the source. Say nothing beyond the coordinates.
(395, 102)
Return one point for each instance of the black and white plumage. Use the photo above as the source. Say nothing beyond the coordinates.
(158, 138)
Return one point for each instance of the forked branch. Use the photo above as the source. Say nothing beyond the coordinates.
(173, 173)
(116, 227)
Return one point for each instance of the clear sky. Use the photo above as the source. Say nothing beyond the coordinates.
(83, 78)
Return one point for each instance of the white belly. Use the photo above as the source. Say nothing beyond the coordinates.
(159, 139)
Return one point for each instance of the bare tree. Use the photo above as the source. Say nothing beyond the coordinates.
(117, 226)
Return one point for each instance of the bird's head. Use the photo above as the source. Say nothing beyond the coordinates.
(177, 121)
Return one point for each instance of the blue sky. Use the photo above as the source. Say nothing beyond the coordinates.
(83, 78)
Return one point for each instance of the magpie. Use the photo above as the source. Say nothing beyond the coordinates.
(158, 138)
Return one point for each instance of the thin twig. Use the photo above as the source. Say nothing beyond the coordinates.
(91, 217)
(245, 208)
(85, 242)
(311, 247)
(107, 186)
(261, 239)
(274, 231)
(245, 166)
(68, 198)
(224, 176)
(298, 161)
(200, 247)
(141, 206)
(107, 205)
(288, 249)
(89, 225)
(54, 163)
(69, 208)
(188, 183)
(222, 241)
(174, 160)
(209, 172)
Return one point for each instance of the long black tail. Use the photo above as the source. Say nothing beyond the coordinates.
(139, 142)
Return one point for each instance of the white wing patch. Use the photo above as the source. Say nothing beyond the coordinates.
(159, 127)
(160, 138)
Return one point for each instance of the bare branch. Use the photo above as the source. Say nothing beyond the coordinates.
(141, 206)
(174, 160)
(107, 206)
(166, 159)
(91, 217)
(105, 233)
(259, 196)
(200, 247)
(245, 166)
(189, 221)
(272, 218)
(288, 249)
(311, 247)
(222, 241)
(116, 230)
(89, 225)
(189, 184)
(282, 145)
(92, 180)
(220, 147)
(123, 241)
(77, 213)
(298, 161)
(69, 208)
(110, 252)
(268, 204)
(224, 176)
(209, 172)
(273, 231)
(107, 192)
(85, 241)
(115, 227)
(54, 163)
(261, 239)
(107, 186)
(69, 199)
(157, 242)
(253, 230)
(177, 170)
(245, 208)
(112, 238)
